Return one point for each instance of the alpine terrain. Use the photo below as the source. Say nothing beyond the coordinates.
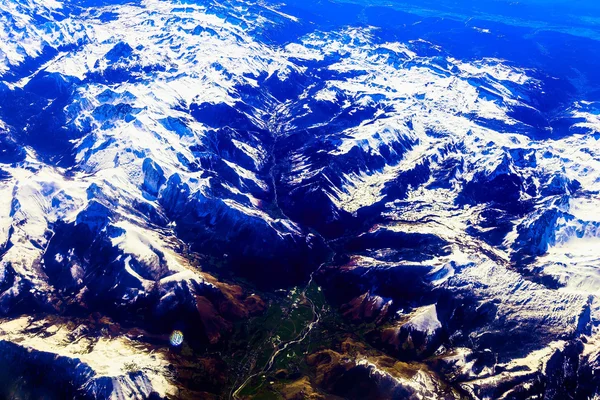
(307, 199)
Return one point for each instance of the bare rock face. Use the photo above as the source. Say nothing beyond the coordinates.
(417, 336)
(355, 372)
(154, 177)
(366, 308)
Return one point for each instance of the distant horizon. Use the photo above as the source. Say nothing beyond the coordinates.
(578, 18)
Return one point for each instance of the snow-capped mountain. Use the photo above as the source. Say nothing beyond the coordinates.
(170, 164)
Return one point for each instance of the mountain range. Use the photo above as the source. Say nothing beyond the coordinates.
(329, 200)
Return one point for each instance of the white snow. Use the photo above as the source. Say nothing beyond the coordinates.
(106, 356)
(425, 320)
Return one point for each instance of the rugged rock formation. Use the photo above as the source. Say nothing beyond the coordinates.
(269, 178)
(355, 372)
